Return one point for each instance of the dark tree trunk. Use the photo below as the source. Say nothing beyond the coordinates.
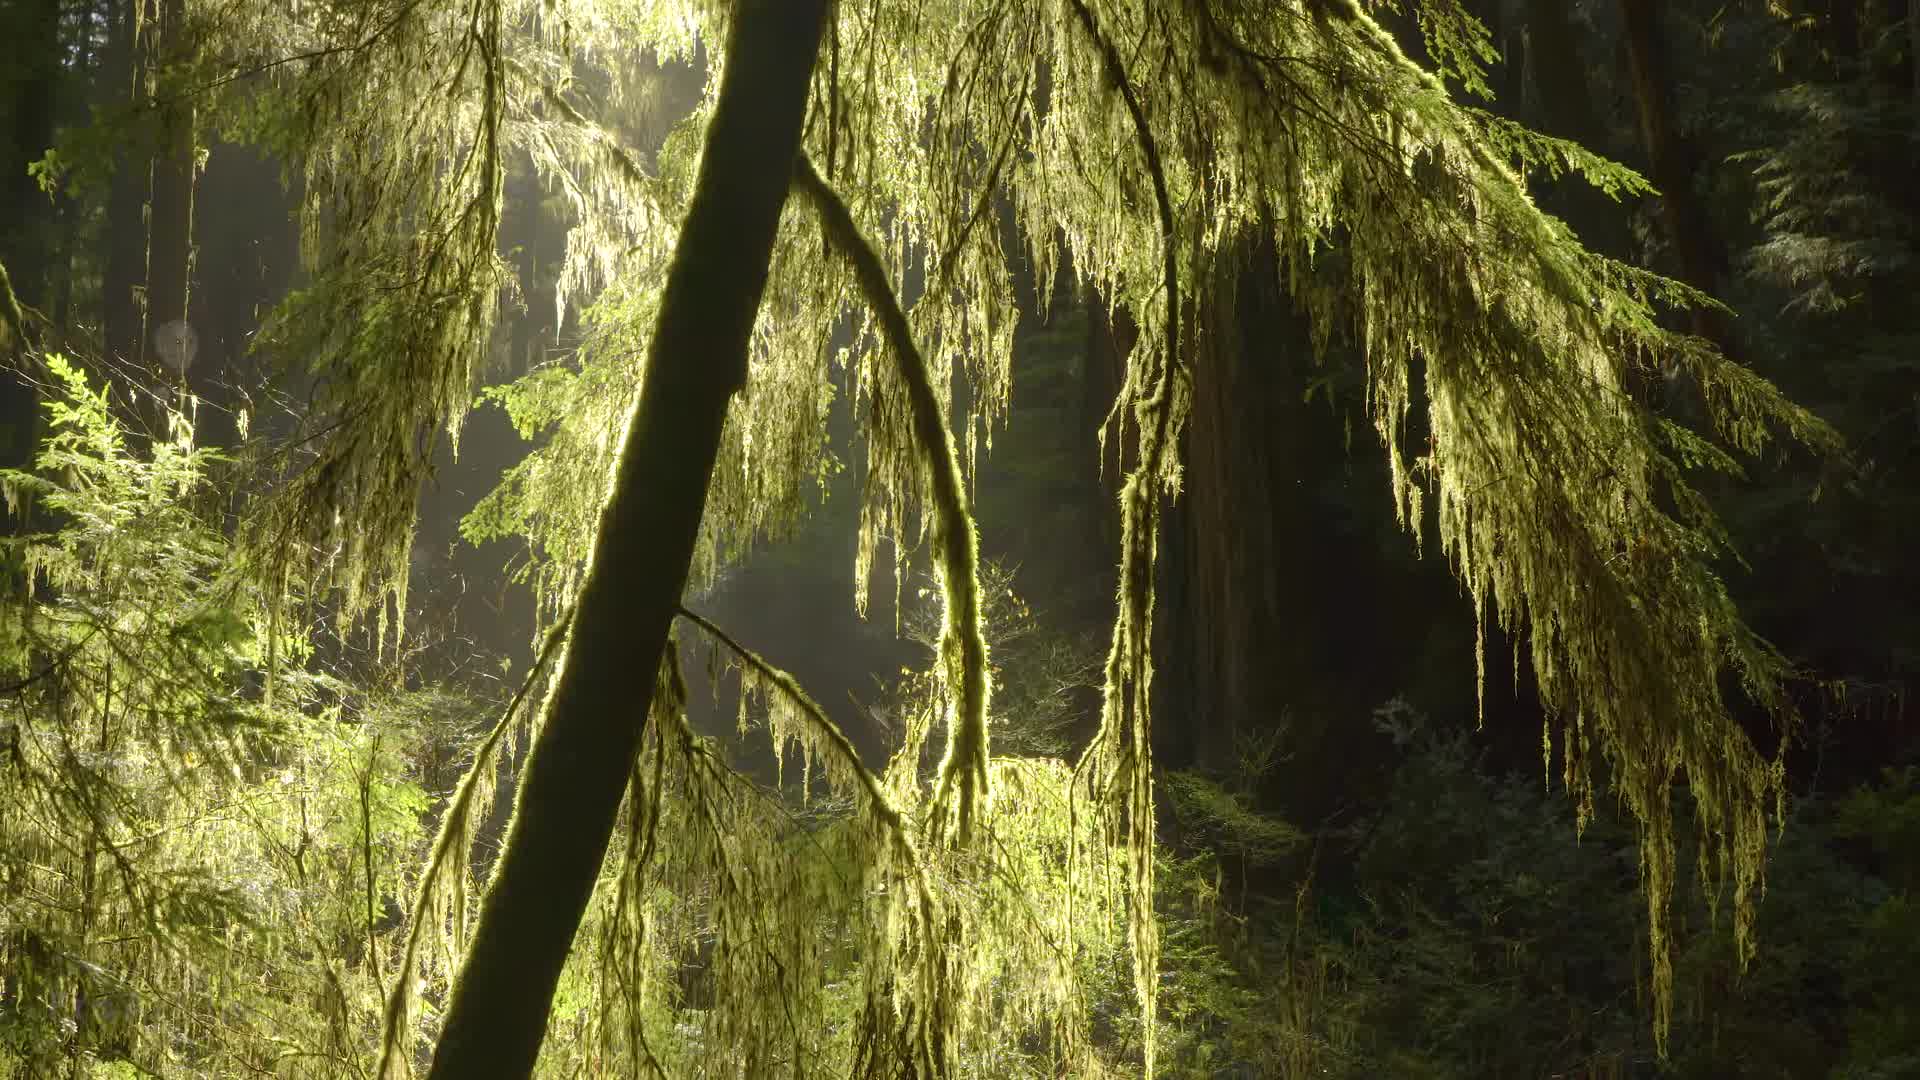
(126, 234)
(578, 770)
(1913, 59)
(30, 58)
(150, 196)
(1240, 621)
(1559, 75)
(170, 213)
(245, 248)
(1670, 163)
(1843, 29)
(1292, 602)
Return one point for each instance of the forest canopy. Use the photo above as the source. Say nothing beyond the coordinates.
(776, 213)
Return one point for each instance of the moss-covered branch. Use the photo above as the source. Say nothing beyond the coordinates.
(796, 695)
(956, 545)
(928, 1031)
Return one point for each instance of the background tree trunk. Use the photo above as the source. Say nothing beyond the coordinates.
(578, 770)
(1293, 603)
(125, 260)
(1238, 565)
(1670, 166)
(1558, 71)
(170, 213)
(29, 55)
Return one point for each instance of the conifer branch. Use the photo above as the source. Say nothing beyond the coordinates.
(66, 656)
(950, 258)
(1116, 71)
(927, 1031)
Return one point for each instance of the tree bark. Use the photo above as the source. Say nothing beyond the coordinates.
(1559, 75)
(31, 58)
(125, 270)
(150, 197)
(1670, 163)
(578, 770)
(1237, 573)
(1843, 31)
(170, 212)
(1913, 56)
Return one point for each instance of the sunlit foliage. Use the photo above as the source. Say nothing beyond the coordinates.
(1140, 146)
(189, 878)
(1401, 223)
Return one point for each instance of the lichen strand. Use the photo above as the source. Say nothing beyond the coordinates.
(1121, 757)
(442, 909)
(1549, 479)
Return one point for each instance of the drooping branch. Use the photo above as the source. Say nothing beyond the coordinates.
(1567, 510)
(926, 1028)
(10, 311)
(956, 544)
(829, 732)
(942, 276)
(1116, 71)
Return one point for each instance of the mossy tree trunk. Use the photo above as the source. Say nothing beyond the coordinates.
(578, 770)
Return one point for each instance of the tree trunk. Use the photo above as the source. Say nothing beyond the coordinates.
(578, 770)
(125, 273)
(1670, 164)
(1282, 562)
(31, 60)
(1559, 75)
(30, 57)
(170, 211)
(1237, 574)
(1843, 32)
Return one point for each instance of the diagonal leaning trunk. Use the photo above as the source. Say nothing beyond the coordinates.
(575, 777)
